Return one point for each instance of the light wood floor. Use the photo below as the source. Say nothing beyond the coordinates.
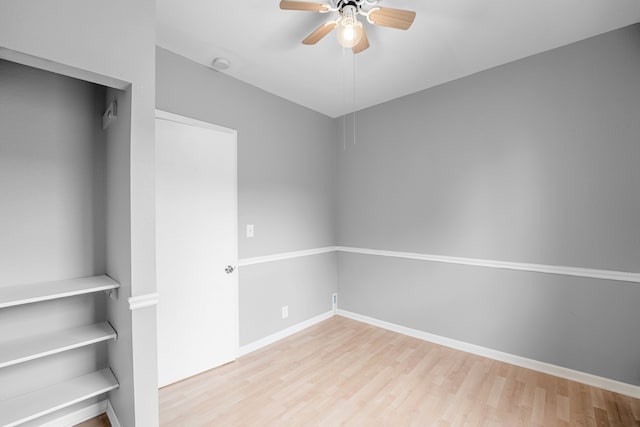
(345, 373)
(99, 421)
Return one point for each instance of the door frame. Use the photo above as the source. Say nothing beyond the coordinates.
(165, 115)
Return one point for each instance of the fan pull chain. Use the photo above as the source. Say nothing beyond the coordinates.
(354, 98)
(344, 100)
(354, 128)
(344, 132)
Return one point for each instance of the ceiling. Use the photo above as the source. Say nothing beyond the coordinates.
(448, 40)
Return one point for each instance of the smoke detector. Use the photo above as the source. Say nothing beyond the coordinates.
(220, 64)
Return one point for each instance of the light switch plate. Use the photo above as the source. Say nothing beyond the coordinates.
(249, 230)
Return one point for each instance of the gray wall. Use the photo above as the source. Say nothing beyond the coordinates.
(535, 161)
(286, 170)
(118, 251)
(113, 44)
(303, 284)
(52, 183)
(584, 324)
(52, 221)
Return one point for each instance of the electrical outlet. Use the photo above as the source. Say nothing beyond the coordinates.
(249, 230)
(285, 311)
(334, 302)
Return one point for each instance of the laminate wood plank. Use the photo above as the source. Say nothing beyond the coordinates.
(496, 392)
(342, 372)
(625, 411)
(562, 412)
(538, 406)
(551, 399)
(99, 421)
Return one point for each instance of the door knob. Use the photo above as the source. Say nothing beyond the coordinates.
(229, 269)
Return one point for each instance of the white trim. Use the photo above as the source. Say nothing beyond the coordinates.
(285, 255)
(79, 416)
(111, 414)
(142, 301)
(62, 69)
(268, 340)
(171, 117)
(622, 276)
(547, 368)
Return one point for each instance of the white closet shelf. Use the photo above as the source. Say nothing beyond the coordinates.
(30, 406)
(36, 292)
(23, 350)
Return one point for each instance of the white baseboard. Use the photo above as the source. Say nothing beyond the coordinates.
(79, 416)
(111, 414)
(547, 368)
(263, 342)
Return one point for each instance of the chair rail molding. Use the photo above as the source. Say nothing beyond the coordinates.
(142, 301)
(285, 255)
(620, 276)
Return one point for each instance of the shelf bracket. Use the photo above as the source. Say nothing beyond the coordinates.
(113, 294)
(115, 330)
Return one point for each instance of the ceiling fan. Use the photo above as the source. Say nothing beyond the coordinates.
(350, 32)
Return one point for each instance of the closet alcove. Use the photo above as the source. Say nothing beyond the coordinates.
(64, 243)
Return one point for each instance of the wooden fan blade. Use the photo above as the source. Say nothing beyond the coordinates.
(318, 34)
(300, 5)
(363, 43)
(393, 18)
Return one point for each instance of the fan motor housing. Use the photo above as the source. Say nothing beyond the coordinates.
(342, 3)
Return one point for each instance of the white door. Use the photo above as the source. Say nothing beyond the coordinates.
(196, 190)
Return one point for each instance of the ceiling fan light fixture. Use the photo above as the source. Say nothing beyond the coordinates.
(349, 35)
(349, 31)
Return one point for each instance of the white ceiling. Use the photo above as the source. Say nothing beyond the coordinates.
(448, 40)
